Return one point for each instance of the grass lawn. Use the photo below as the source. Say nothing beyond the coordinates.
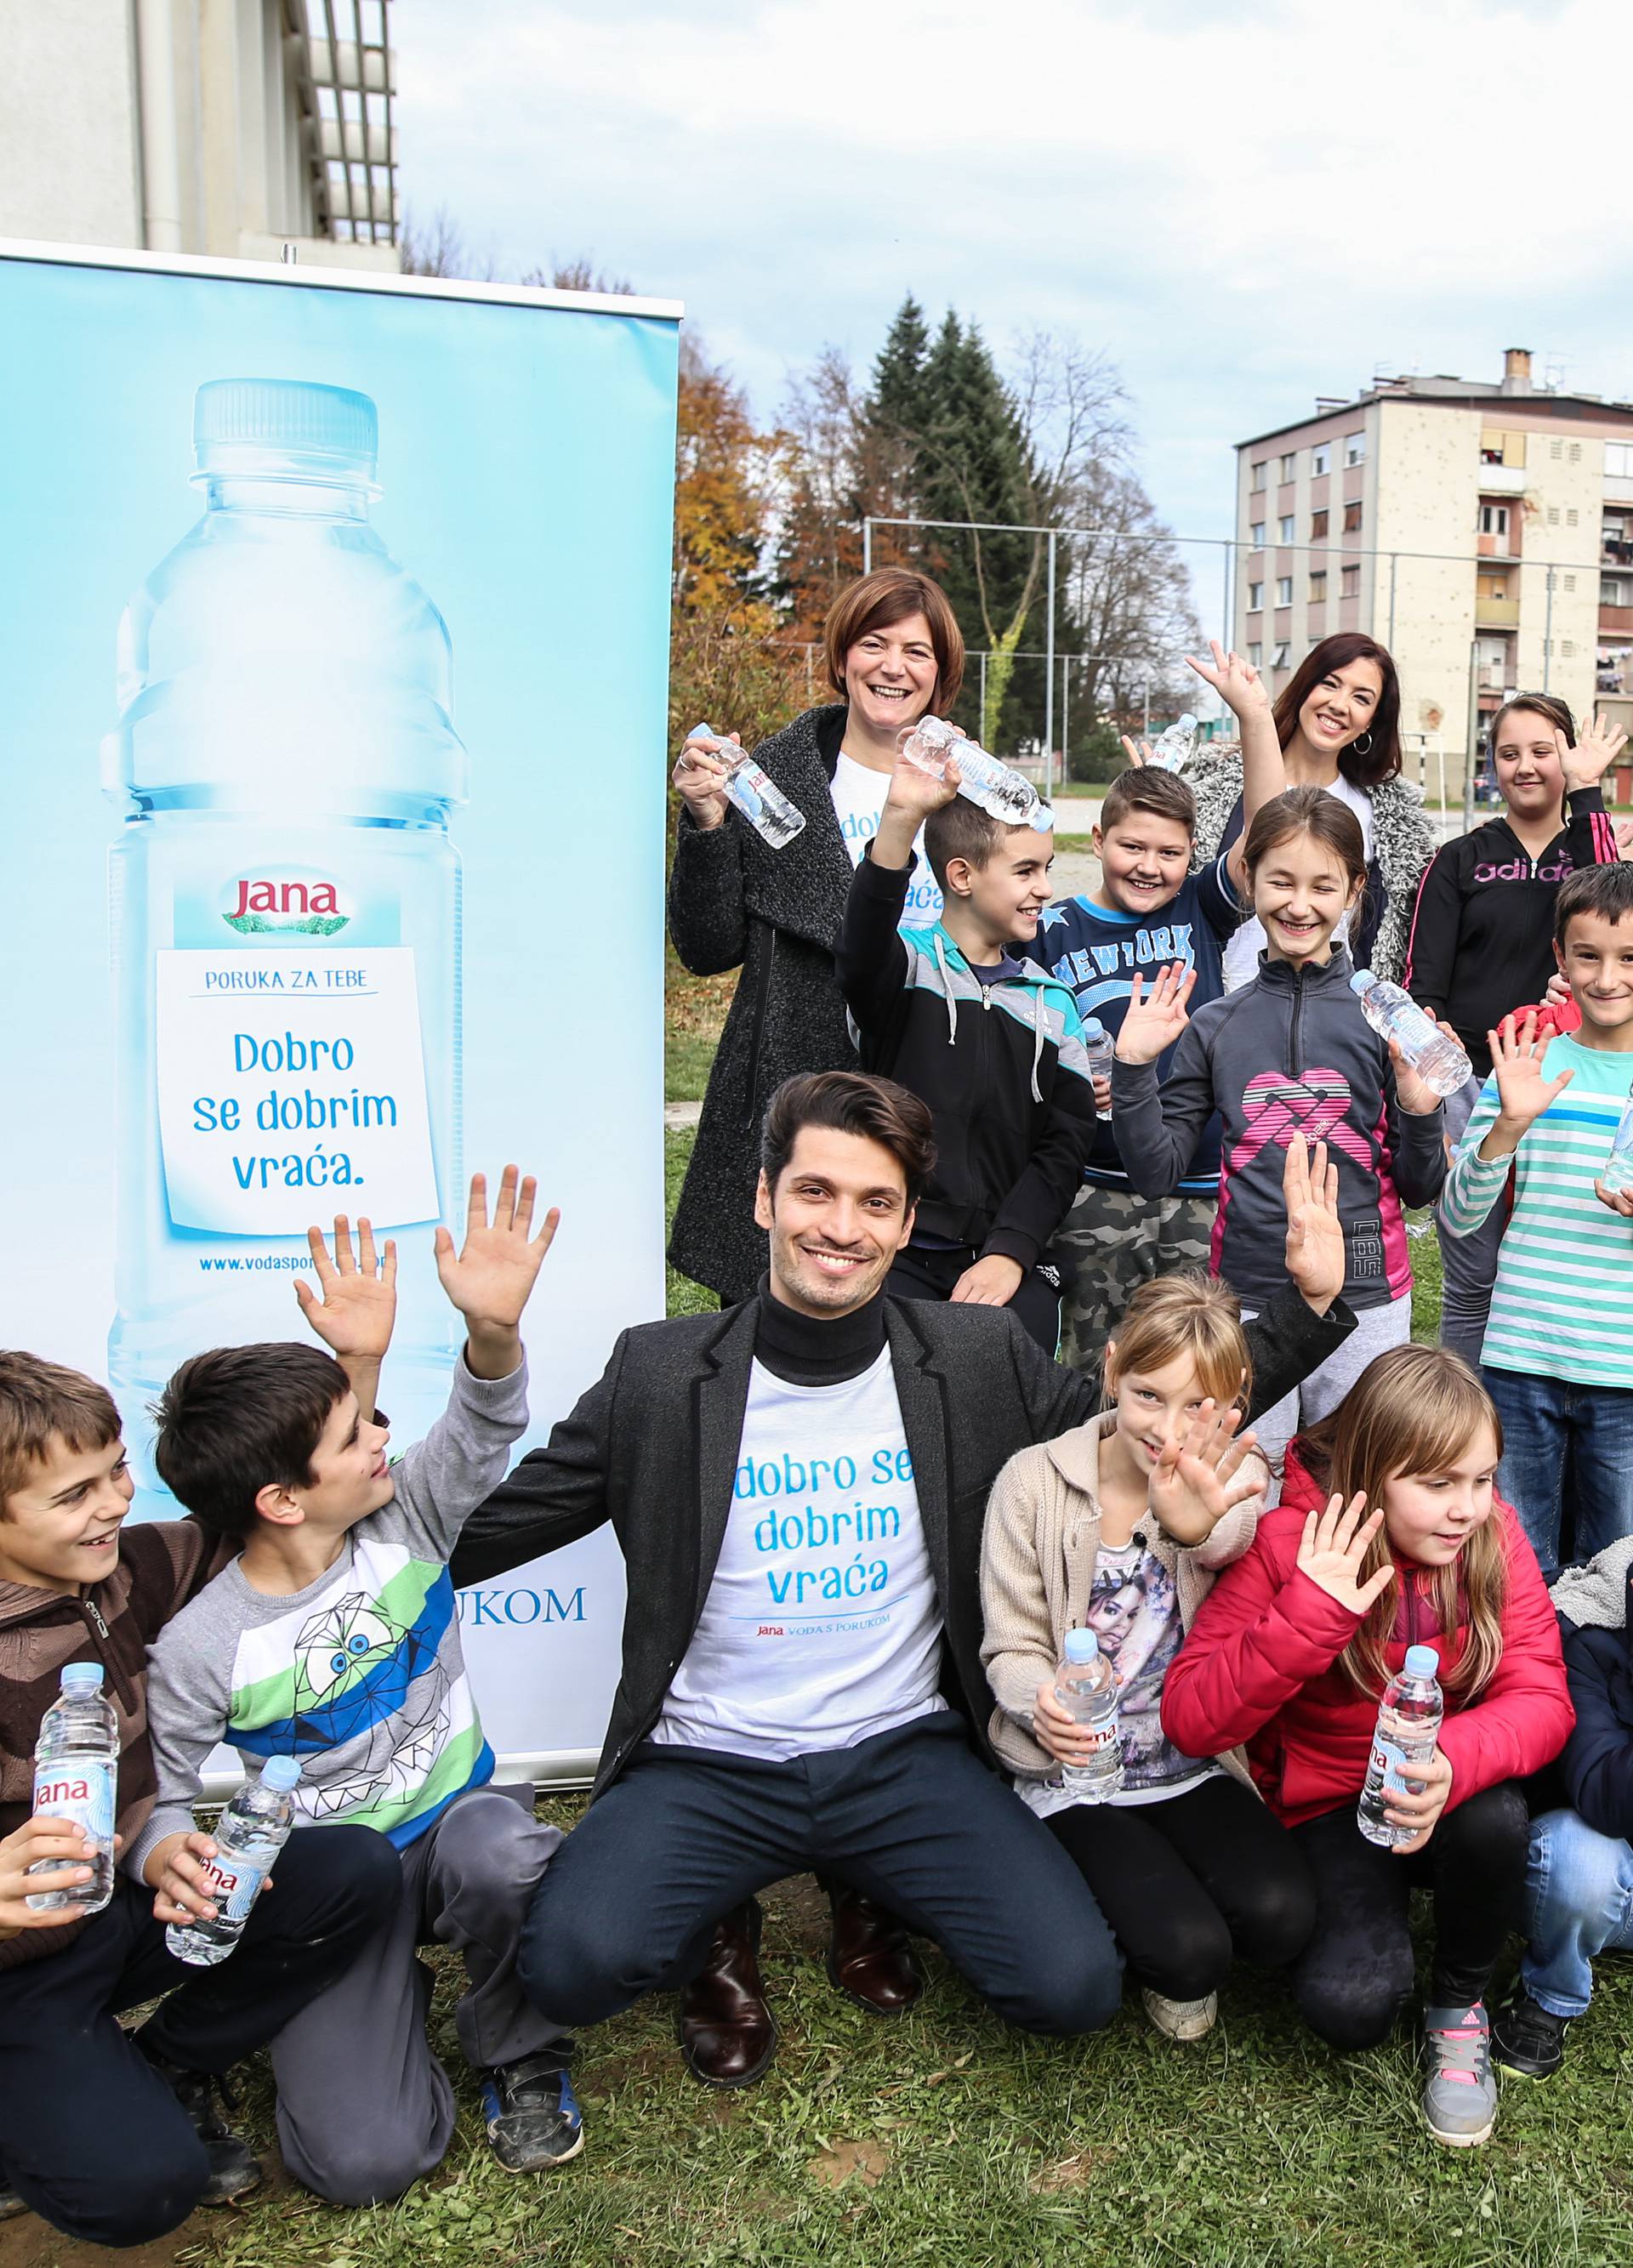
(946, 2140)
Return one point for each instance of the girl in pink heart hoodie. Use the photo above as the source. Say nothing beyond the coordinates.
(1290, 1056)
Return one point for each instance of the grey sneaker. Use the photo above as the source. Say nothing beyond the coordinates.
(10, 2204)
(1460, 2092)
(531, 2113)
(1181, 2020)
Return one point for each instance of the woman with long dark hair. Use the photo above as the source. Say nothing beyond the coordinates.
(1339, 722)
(894, 654)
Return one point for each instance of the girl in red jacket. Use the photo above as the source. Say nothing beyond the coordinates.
(1289, 1655)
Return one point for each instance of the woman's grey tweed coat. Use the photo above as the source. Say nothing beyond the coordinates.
(733, 900)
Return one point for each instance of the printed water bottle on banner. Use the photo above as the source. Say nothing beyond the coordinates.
(753, 790)
(76, 1777)
(248, 1835)
(285, 900)
(1085, 1686)
(1003, 793)
(1434, 1055)
(1409, 1732)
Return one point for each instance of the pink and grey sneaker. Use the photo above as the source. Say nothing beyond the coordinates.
(1460, 2092)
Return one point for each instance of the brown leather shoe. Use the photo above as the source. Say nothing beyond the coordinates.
(728, 2034)
(869, 1958)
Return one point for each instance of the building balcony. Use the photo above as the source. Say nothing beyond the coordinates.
(1502, 480)
(1616, 551)
(1615, 622)
(1498, 547)
(1495, 614)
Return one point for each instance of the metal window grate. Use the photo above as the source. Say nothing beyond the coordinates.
(353, 72)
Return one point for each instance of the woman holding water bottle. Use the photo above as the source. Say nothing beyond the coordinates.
(894, 654)
(1291, 1653)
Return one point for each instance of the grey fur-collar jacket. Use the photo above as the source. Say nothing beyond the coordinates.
(1403, 844)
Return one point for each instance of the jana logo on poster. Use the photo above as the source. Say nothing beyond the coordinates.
(301, 903)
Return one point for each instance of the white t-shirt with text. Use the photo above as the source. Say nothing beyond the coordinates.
(822, 1626)
(858, 799)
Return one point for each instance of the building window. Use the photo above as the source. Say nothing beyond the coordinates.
(1317, 525)
(1355, 448)
(1321, 459)
(1553, 515)
(1494, 519)
(1349, 582)
(1573, 518)
(1570, 581)
(1619, 461)
(1352, 518)
(1256, 535)
(1284, 590)
(1285, 528)
(1289, 464)
(1576, 453)
(1255, 597)
(1556, 450)
(1259, 476)
(1255, 655)
(1567, 647)
(1611, 591)
(1317, 587)
(1281, 653)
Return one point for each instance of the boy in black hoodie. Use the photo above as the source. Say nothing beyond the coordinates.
(960, 1015)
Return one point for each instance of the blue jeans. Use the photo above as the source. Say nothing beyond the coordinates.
(1578, 1902)
(1556, 1436)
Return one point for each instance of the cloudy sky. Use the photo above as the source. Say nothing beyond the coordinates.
(1246, 205)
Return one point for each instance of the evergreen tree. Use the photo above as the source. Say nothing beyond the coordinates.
(891, 418)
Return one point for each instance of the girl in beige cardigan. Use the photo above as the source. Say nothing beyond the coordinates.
(1119, 1526)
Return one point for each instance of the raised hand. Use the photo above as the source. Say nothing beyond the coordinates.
(1138, 752)
(1333, 1550)
(1198, 1479)
(1597, 748)
(1317, 1257)
(698, 771)
(1524, 1093)
(1150, 1025)
(490, 1277)
(1234, 679)
(355, 1305)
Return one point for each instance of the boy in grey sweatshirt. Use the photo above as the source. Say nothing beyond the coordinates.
(334, 1637)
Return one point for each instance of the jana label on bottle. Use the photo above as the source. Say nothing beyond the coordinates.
(1103, 1736)
(286, 1076)
(1389, 1763)
(83, 1793)
(232, 1885)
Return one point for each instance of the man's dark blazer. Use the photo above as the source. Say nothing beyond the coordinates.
(653, 1447)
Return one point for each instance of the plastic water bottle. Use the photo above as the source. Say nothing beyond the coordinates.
(754, 792)
(284, 898)
(1437, 1058)
(1085, 1686)
(248, 1835)
(76, 1774)
(988, 782)
(1408, 1729)
(1618, 1174)
(1101, 1048)
(1174, 751)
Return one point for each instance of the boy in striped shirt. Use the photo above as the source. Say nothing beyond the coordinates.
(1558, 1354)
(333, 1637)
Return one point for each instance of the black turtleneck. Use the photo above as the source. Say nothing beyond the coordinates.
(804, 1350)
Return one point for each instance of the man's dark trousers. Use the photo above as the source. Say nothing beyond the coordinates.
(910, 1817)
(90, 2136)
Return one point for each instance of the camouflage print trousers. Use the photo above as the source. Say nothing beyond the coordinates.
(1116, 1242)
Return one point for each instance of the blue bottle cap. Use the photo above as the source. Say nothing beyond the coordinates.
(1422, 1661)
(1363, 981)
(1082, 1646)
(281, 1772)
(1094, 1029)
(82, 1677)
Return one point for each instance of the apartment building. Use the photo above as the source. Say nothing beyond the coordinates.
(227, 128)
(1483, 532)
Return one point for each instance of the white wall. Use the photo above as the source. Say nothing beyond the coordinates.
(69, 160)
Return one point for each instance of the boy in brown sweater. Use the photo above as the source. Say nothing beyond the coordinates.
(115, 2136)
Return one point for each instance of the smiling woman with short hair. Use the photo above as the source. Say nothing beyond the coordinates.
(894, 654)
